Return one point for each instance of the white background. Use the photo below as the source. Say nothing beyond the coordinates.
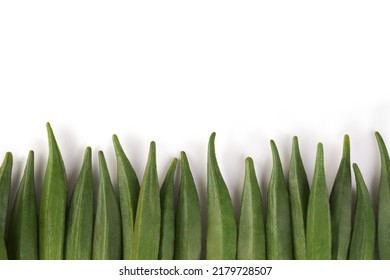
(175, 71)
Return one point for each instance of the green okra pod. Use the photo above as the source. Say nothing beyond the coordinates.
(221, 226)
(188, 234)
(251, 230)
(107, 234)
(363, 234)
(340, 206)
(22, 240)
(318, 230)
(80, 214)
(384, 201)
(53, 204)
(167, 237)
(278, 225)
(3, 249)
(298, 187)
(5, 188)
(146, 238)
(128, 186)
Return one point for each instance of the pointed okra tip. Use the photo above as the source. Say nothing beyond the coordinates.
(117, 144)
(320, 152)
(8, 157)
(346, 146)
(248, 162)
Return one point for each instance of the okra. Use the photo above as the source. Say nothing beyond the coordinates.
(3, 249)
(298, 187)
(278, 225)
(363, 234)
(128, 186)
(107, 234)
(318, 230)
(53, 204)
(80, 214)
(221, 226)
(384, 201)
(5, 188)
(340, 206)
(167, 237)
(146, 238)
(23, 230)
(188, 243)
(251, 231)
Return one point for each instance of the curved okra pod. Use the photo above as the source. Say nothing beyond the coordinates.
(363, 234)
(251, 231)
(298, 188)
(278, 226)
(340, 206)
(167, 238)
(23, 230)
(128, 186)
(221, 226)
(384, 201)
(146, 239)
(107, 235)
(188, 233)
(53, 204)
(318, 230)
(80, 214)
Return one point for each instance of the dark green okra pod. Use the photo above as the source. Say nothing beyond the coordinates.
(53, 204)
(5, 188)
(80, 214)
(167, 238)
(221, 225)
(340, 206)
(318, 230)
(188, 220)
(23, 230)
(251, 230)
(363, 234)
(128, 186)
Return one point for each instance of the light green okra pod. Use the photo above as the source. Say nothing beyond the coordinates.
(221, 226)
(188, 243)
(128, 186)
(278, 226)
(79, 230)
(251, 230)
(53, 204)
(5, 188)
(318, 230)
(23, 230)
(146, 239)
(340, 206)
(298, 187)
(384, 201)
(363, 234)
(167, 237)
(107, 234)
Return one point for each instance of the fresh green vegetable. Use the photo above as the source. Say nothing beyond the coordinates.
(80, 214)
(5, 188)
(318, 230)
(23, 230)
(128, 186)
(167, 237)
(107, 235)
(251, 231)
(146, 239)
(3, 250)
(188, 220)
(340, 206)
(363, 234)
(221, 226)
(298, 187)
(53, 204)
(384, 201)
(278, 226)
